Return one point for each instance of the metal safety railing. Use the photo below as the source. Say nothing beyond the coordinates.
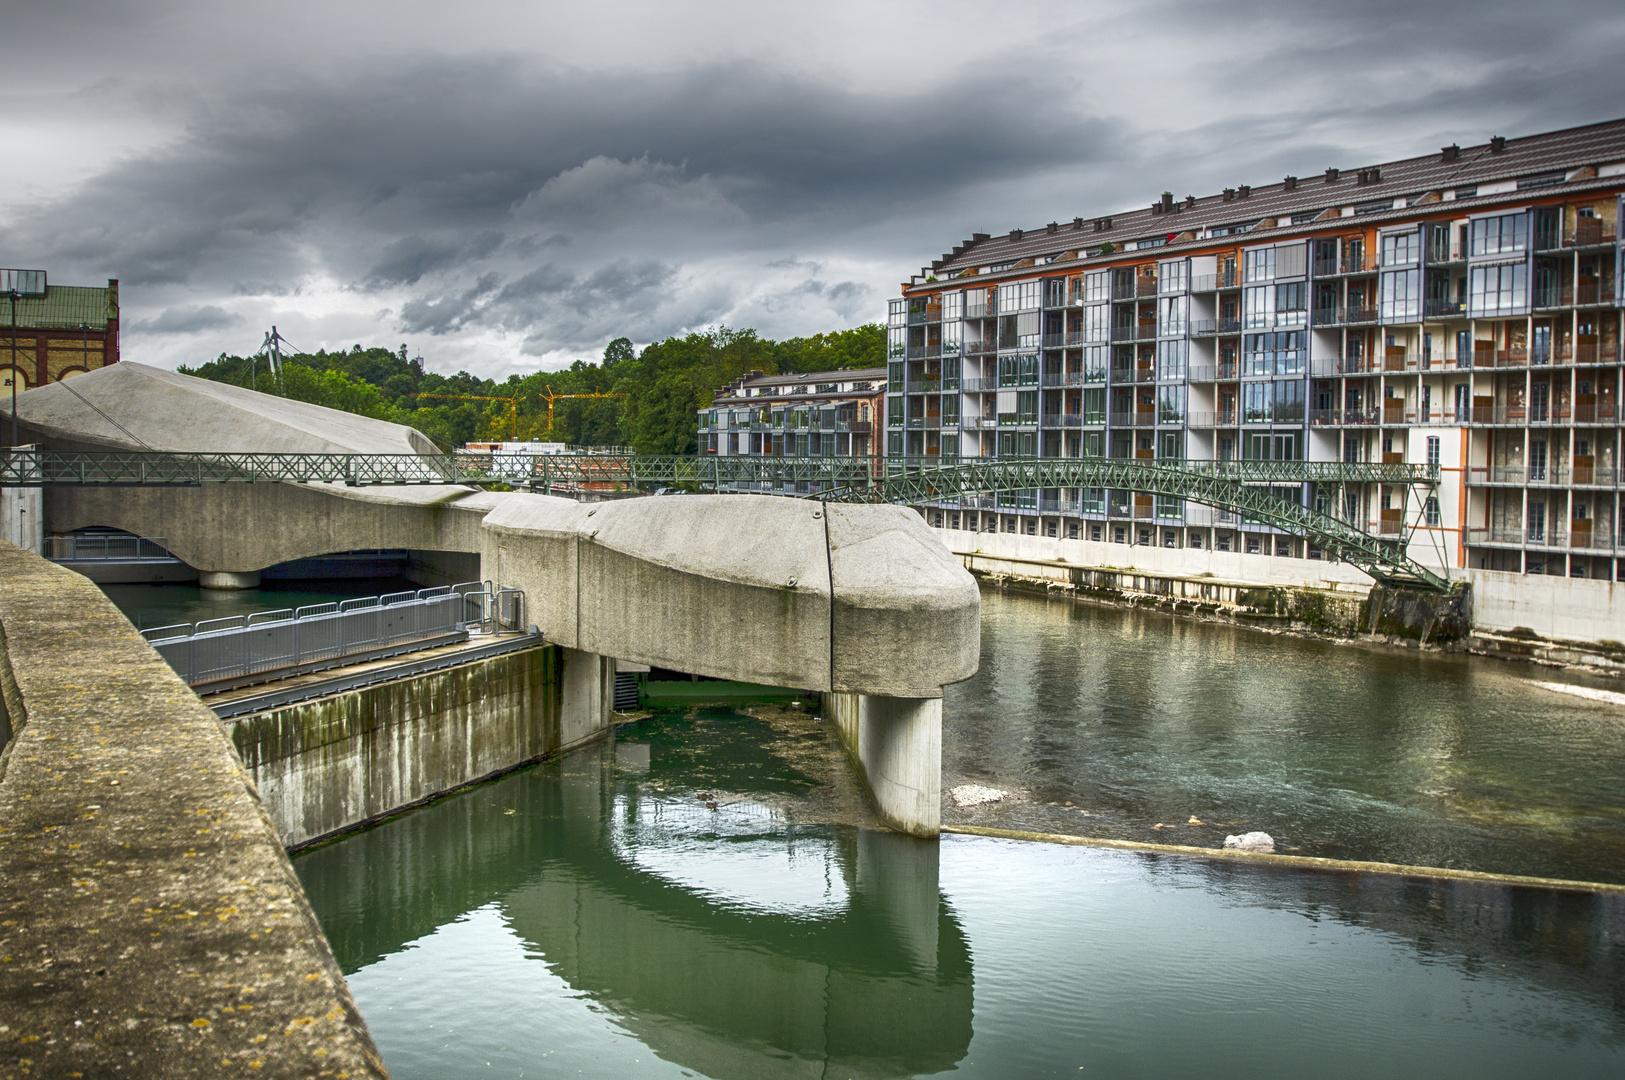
(242, 649)
(106, 547)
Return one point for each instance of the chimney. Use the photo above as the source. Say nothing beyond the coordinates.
(1190, 202)
(1498, 143)
(1289, 184)
(1244, 191)
(975, 236)
(1167, 201)
(1450, 153)
(1077, 223)
(1053, 226)
(1229, 194)
(1332, 174)
(1015, 234)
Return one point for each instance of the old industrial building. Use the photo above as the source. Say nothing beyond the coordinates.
(58, 331)
(1460, 308)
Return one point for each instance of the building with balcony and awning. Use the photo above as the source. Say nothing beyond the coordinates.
(816, 414)
(50, 332)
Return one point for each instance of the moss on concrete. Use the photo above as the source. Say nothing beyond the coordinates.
(150, 922)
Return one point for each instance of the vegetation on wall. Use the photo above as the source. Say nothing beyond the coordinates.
(663, 386)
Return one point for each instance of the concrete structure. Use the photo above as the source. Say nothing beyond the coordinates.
(816, 414)
(61, 330)
(850, 599)
(150, 922)
(1462, 308)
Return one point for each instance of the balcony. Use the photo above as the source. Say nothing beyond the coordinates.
(1588, 232)
(919, 423)
(1344, 417)
(1353, 314)
(981, 311)
(977, 386)
(924, 386)
(1065, 378)
(981, 348)
(1064, 420)
(1141, 332)
(1444, 309)
(1357, 264)
(1142, 418)
(1018, 419)
(917, 352)
(1211, 327)
(1215, 282)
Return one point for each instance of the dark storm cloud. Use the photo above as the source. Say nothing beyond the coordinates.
(406, 260)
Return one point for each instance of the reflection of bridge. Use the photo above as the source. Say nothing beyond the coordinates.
(1251, 488)
(876, 984)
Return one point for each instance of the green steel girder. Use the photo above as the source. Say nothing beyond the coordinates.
(1239, 485)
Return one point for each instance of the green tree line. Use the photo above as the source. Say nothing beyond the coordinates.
(659, 390)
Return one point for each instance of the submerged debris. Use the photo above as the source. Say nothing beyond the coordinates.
(1253, 841)
(975, 794)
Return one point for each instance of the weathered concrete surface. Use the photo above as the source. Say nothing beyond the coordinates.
(150, 923)
(333, 763)
(248, 527)
(896, 746)
(164, 410)
(755, 588)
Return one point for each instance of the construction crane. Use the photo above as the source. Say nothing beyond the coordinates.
(512, 403)
(550, 397)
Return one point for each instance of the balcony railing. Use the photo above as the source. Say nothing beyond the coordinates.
(1066, 420)
(1443, 309)
(1142, 418)
(1215, 282)
(1345, 417)
(1209, 327)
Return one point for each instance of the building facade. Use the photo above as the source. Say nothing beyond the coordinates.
(1461, 309)
(60, 330)
(820, 414)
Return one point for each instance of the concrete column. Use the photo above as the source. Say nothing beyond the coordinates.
(587, 696)
(229, 579)
(896, 744)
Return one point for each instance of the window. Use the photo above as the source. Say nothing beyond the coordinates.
(1258, 265)
(1171, 277)
(1094, 363)
(1280, 353)
(951, 335)
(1018, 370)
(897, 312)
(1256, 403)
(1398, 295)
(1497, 290)
(1021, 296)
(953, 306)
(896, 341)
(894, 411)
(1399, 249)
(1171, 316)
(1258, 307)
(1097, 287)
(1096, 323)
(1498, 235)
(1170, 404)
(1431, 509)
(1433, 451)
(1292, 304)
(1094, 408)
(1171, 359)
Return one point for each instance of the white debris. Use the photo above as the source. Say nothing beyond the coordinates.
(1253, 841)
(1607, 697)
(976, 794)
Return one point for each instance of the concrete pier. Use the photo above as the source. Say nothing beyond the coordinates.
(896, 746)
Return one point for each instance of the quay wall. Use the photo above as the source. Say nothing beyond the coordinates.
(150, 922)
(333, 763)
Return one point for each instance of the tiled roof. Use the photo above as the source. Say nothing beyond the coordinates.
(1474, 166)
(796, 379)
(63, 307)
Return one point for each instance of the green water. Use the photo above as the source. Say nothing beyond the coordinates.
(1336, 750)
(699, 898)
(149, 606)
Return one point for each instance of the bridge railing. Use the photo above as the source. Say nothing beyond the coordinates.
(243, 649)
(106, 547)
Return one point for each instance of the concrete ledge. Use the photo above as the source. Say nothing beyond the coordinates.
(150, 922)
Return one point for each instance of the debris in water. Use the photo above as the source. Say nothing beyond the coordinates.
(975, 794)
(710, 806)
(1194, 820)
(1253, 841)
(1159, 825)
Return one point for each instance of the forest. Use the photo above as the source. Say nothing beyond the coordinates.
(646, 400)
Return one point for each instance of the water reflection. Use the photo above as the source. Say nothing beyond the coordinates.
(727, 941)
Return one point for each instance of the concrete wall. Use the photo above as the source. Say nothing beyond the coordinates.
(331, 764)
(22, 517)
(1570, 609)
(1177, 562)
(896, 746)
(151, 923)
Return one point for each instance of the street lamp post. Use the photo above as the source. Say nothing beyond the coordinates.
(14, 296)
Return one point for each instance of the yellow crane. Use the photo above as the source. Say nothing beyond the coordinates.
(513, 407)
(550, 397)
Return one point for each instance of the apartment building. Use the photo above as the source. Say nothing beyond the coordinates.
(1461, 308)
(820, 414)
(59, 330)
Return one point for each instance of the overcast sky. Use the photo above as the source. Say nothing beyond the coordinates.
(508, 186)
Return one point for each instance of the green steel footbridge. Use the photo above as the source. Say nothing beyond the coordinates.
(1251, 489)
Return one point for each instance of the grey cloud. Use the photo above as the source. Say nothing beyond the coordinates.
(406, 260)
(440, 316)
(188, 320)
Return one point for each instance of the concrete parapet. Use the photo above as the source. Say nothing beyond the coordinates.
(896, 745)
(150, 922)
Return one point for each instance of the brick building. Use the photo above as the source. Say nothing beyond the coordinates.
(61, 330)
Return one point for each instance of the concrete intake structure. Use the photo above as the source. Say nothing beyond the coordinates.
(839, 599)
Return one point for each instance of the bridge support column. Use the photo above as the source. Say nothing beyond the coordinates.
(896, 744)
(228, 579)
(586, 697)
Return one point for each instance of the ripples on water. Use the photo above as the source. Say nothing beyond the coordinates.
(1337, 750)
(594, 917)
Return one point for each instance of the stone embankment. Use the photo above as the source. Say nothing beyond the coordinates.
(150, 922)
